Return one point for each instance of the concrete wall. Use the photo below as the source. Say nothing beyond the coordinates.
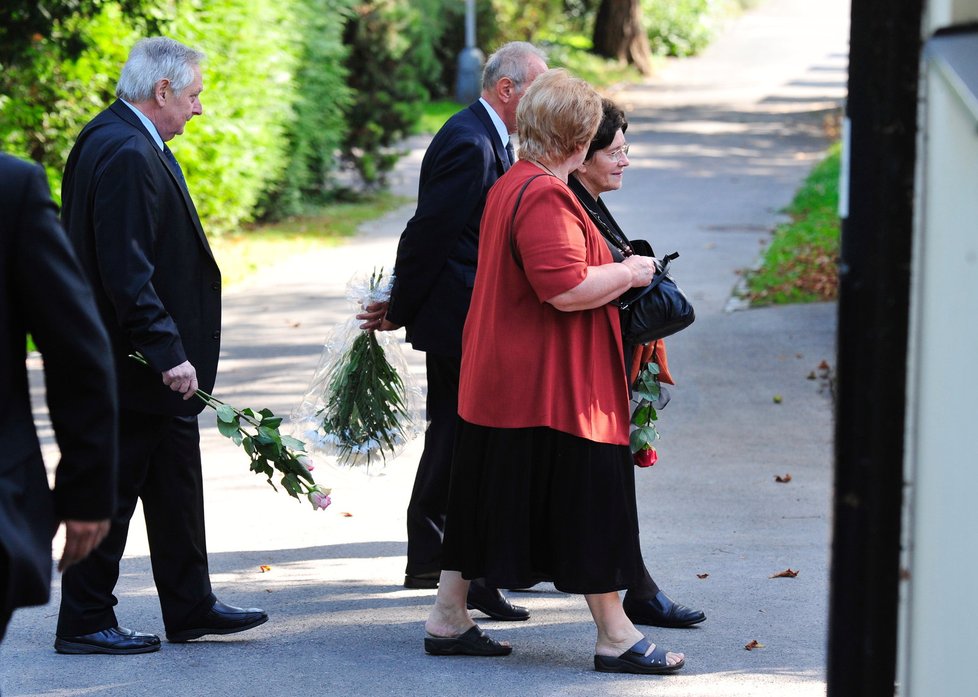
(939, 611)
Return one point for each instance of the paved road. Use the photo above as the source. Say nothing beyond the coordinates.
(720, 143)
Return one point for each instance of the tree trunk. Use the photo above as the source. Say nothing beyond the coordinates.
(619, 33)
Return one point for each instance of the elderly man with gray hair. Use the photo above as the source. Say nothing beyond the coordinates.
(134, 227)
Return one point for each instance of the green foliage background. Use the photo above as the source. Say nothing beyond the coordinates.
(685, 27)
(303, 100)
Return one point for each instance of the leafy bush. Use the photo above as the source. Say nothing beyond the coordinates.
(58, 83)
(684, 27)
(523, 20)
(573, 52)
(391, 45)
(239, 145)
(318, 127)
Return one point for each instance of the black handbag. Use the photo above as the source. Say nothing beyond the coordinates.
(658, 310)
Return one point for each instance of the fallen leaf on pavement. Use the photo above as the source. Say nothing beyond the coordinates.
(753, 644)
(702, 576)
(264, 567)
(782, 478)
(787, 573)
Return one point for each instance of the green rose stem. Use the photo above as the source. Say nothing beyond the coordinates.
(268, 449)
(644, 392)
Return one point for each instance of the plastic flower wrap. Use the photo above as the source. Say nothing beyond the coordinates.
(270, 451)
(362, 405)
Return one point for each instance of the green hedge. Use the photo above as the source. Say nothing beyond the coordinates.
(318, 128)
(238, 146)
(279, 93)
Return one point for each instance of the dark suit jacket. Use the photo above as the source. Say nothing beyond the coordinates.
(139, 240)
(436, 255)
(43, 291)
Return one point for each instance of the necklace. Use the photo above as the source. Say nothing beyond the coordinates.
(611, 235)
(550, 171)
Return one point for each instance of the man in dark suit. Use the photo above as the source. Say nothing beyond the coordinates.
(128, 212)
(433, 277)
(43, 291)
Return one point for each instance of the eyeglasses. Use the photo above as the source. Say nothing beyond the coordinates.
(618, 153)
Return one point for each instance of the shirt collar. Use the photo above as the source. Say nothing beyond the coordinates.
(497, 122)
(150, 126)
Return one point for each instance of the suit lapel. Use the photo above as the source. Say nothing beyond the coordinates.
(125, 113)
(502, 157)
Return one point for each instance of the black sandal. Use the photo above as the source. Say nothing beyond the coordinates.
(473, 642)
(635, 661)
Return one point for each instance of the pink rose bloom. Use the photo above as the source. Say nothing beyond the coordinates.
(319, 499)
(646, 457)
(306, 462)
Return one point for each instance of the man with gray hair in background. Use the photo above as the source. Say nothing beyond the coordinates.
(134, 227)
(433, 277)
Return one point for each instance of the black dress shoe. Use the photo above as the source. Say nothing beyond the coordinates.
(491, 602)
(220, 619)
(426, 581)
(115, 640)
(660, 611)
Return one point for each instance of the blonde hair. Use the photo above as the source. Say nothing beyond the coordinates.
(558, 114)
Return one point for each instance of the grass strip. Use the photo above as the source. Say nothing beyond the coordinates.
(801, 263)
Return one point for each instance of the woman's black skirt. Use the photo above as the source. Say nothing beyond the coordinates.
(534, 504)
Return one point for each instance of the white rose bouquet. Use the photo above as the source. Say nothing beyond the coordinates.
(362, 405)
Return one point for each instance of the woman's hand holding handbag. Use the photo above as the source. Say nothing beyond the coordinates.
(658, 310)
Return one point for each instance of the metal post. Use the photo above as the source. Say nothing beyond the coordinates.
(468, 83)
(874, 307)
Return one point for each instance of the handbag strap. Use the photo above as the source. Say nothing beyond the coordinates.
(656, 280)
(512, 220)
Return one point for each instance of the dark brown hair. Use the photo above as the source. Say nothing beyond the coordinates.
(612, 119)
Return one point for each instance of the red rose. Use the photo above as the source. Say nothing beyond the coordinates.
(646, 457)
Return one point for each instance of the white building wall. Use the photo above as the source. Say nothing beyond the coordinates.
(939, 611)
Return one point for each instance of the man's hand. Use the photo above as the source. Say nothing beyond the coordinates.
(376, 318)
(81, 537)
(182, 379)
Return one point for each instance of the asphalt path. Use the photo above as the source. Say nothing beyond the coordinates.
(719, 144)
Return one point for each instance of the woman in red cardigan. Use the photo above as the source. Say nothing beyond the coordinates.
(542, 479)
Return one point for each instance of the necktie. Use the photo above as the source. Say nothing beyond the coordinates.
(176, 165)
(511, 152)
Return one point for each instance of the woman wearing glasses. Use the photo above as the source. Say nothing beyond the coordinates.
(543, 485)
(602, 171)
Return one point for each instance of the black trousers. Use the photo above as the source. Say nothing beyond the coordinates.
(159, 463)
(429, 498)
(5, 612)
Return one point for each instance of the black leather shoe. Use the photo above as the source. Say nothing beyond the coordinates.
(660, 611)
(426, 581)
(492, 603)
(220, 619)
(115, 640)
